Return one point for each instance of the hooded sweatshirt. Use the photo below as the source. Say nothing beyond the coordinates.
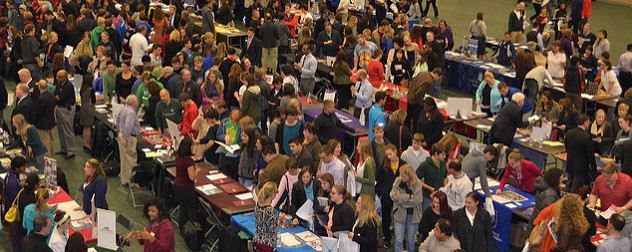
(251, 103)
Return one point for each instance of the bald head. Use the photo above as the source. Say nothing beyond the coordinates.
(42, 85)
(164, 96)
(131, 100)
(62, 76)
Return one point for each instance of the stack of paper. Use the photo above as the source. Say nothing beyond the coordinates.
(216, 176)
(289, 240)
(244, 196)
(209, 189)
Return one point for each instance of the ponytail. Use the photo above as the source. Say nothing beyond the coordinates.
(515, 155)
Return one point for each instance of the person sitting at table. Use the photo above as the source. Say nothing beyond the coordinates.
(284, 191)
(40, 207)
(506, 53)
(36, 240)
(547, 190)
(431, 123)
(406, 194)
(376, 113)
(622, 110)
(95, 185)
(363, 94)
(340, 217)
(398, 133)
(376, 69)
(601, 133)
(27, 138)
(487, 95)
(305, 188)
(186, 173)
(59, 235)
(415, 155)
(366, 223)
(609, 84)
(158, 235)
(365, 172)
(507, 93)
(508, 120)
(76, 243)
(266, 220)
(523, 171)
(568, 117)
(327, 123)
(400, 69)
(385, 176)
(613, 188)
(547, 109)
(473, 225)
(441, 238)
(475, 165)
(615, 241)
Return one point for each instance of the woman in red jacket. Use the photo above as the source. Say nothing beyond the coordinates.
(158, 235)
(524, 171)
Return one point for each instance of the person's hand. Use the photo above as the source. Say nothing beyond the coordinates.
(78, 208)
(591, 206)
(620, 209)
(580, 42)
(227, 139)
(350, 235)
(295, 221)
(145, 235)
(562, 127)
(544, 120)
(196, 141)
(531, 121)
(353, 90)
(498, 191)
(131, 235)
(40, 64)
(281, 215)
(318, 174)
(326, 208)
(125, 143)
(598, 140)
(433, 192)
(300, 68)
(354, 70)
(479, 103)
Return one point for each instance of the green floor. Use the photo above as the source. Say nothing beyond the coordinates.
(458, 14)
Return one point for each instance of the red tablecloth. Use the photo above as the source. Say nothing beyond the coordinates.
(62, 196)
(223, 199)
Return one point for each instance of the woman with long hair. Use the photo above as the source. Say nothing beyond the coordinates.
(184, 183)
(602, 133)
(602, 44)
(84, 47)
(124, 81)
(86, 113)
(567, 119)
(73, 32)
(342, 80)
(233, 86)
(76, 243)
(400, 69)
(95, 185)
(365, 172)
(305, 188)
(222, 51)
(27, 138)
(478, 29)
(385, 178)
(336, 146)
(524, 172)
(160, 21)
(397, 132)
(251, 99)
(158, 235)
(547, 108)
(473, 225)
(211, 88)
(439, 208)
(407, 209)
(58, 64)
(340, 215)
(36, 209)
(570, 224)
(266, 220)
(446, 31)
(248, 157)
(53, 47)
(487, 95)
(366, 223)
(59, 235)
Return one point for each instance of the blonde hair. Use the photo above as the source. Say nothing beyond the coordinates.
(174, 36)
(217, 83)
(399, 116)
(410, 172)
(267, 191)
(489, 77)
(368, 212)
(21, 125)
(366, 149)
(515, 155)
(50, 36)
(570, 209)
(41, 205)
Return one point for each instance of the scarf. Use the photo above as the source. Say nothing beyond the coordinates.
(596, 130)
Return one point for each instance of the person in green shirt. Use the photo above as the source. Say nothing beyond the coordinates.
(109, 80)
(433, 172)
(167, 109)
(142, 93)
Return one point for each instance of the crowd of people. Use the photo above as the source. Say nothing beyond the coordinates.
(162, 65)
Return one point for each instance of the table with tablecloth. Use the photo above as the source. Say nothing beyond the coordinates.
(501, 221)
(465, 74)
(62, 197)
(246, 222)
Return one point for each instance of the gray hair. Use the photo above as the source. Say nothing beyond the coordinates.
(24, 71)
(23, 87)
(131, 99)
(517, 97)
(167, 70)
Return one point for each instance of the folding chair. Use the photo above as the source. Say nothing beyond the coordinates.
(125, 220)
(131, 195)
(212, 219)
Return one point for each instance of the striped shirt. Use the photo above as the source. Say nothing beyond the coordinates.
(617, 195)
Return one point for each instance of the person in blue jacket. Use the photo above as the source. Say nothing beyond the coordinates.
(507, 92)
(95, 186)
(376, 114)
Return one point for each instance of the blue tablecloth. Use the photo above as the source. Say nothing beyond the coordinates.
(465, 74)
(501, 222)
(349, 120)
(247, 223)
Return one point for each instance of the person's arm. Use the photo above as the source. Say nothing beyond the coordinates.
(368, 178)
(592, 199)
(479, 91)
(421, 174)
(503, 181)
(482, 173)
(283, 185)
(100, 189)
(348, 220)
(415, 198)
(164, 239)
(365, 94)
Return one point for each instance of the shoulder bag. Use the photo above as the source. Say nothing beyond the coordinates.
(12, 214)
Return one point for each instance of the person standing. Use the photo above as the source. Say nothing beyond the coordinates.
(516, 19)
(475, 165)
(65, 112)
(36, 240)
(576, 15)
(363, 53)
(363, 94)
(307, 67)
(581, 154)
(458, 185)
(417, 90)
(508, 120)
(30, 53)
(327, 123)
(207, 18)
(270, 42)
(129, 128)
(625, 69)
(376, 113)
(473, 225)
(27, 138)
(139, 45)
(189, 87)
(407, 197)
(24, 104)
(331, 41)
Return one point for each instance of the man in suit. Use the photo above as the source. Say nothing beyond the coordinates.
(174, 16)
(331, 41)
(253, 48)
(207, 18)
(44, 119)
(25, 78)
(581, 154)
(24, 104)
(507, 121)
(227, 63)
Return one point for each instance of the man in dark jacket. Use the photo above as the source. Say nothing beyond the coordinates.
(327, 122)
(269, 42)
(581, 154)
(417, 90)
(303, 156)
(189, 87)
(253, 48)
(574, 83)
(331, 42)
(207, 18)
(525, 61)
(24, 104)
(44, 119)
(227, 63)
(516, 19)
(508, 120)
(36, 240)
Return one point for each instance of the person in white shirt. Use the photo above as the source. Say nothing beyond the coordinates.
(59, 236)
(307, 67)
(556, 60)
(415, 155)
(459, 185)
(363, 92)
(343, 9)
(330, 164)
(440, 238)
(609, 81)
(139, 45)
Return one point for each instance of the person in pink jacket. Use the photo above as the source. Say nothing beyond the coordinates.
(524, 171)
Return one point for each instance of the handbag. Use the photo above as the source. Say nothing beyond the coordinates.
(537, 234)
(12, 214)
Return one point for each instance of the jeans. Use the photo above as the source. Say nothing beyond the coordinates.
(411, 231)
(246, 182)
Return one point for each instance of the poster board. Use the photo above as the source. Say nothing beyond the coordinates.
(459, 106)
(50, 171)
(174, 133)
(106, 229)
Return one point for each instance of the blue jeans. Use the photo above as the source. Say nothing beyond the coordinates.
(426, 203)
(411, 231)
(245, 182)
